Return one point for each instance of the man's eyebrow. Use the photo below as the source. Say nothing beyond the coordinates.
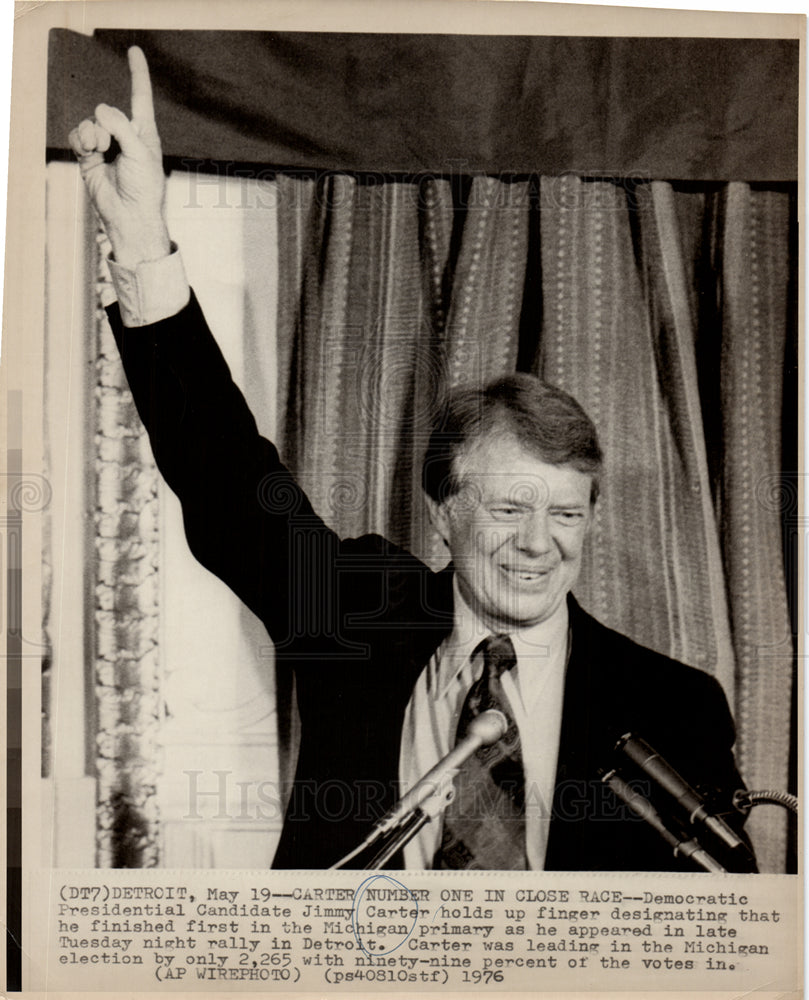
(508, 501)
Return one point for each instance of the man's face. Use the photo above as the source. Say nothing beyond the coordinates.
(515, 530)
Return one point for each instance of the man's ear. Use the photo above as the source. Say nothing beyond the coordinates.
(439, 517)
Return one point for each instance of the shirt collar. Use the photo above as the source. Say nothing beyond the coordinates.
(534, 646)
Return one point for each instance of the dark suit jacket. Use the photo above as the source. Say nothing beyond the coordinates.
(358, 619)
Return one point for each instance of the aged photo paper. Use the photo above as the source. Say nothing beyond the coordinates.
(223, 672)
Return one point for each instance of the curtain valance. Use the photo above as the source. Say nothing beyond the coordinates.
(672, 108)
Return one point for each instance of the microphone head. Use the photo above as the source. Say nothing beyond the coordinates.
(488, 727)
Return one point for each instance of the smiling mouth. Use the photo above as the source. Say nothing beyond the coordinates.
(526, 575)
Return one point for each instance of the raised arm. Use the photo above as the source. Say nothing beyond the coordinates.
(244, 514)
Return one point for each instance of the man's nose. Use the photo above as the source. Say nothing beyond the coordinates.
(534, 536)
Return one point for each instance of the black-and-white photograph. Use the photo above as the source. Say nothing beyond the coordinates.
(421, 423)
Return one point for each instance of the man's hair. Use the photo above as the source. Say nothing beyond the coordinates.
(545, 420)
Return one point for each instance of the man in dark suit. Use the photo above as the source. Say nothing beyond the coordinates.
(394, 661)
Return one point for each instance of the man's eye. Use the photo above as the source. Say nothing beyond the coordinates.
(506, 512)
(568, 516)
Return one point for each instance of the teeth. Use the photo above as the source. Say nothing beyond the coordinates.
(529, 576)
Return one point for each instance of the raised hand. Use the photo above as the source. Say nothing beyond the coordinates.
(129, 193)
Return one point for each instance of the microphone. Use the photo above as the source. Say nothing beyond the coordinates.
(483, 730)
(642, 807)
(651, 763)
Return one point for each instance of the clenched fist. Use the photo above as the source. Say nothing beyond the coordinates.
(129, 193)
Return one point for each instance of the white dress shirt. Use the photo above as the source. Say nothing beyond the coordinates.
(535, 690)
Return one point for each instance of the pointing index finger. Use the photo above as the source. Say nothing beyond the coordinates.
(142, 107)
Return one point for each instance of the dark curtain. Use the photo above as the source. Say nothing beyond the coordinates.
(685, 108)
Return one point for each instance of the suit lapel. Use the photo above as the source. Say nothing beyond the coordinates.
(589, 709)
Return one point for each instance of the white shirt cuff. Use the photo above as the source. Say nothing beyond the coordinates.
(155, 290)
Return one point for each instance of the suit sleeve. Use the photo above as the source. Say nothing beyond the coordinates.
(245, 517)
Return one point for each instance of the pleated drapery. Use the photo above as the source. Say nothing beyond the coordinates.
(370, 337)
(756, 495)
(664, 311)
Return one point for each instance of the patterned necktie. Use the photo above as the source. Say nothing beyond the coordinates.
(484, 825)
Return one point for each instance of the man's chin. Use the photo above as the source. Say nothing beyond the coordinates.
(522, 615)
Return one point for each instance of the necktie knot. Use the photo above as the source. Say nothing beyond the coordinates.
(498, 655)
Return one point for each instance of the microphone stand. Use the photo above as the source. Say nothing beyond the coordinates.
(418, 818)
(387, 841)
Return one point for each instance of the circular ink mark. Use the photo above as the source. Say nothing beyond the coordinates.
(355, 917)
